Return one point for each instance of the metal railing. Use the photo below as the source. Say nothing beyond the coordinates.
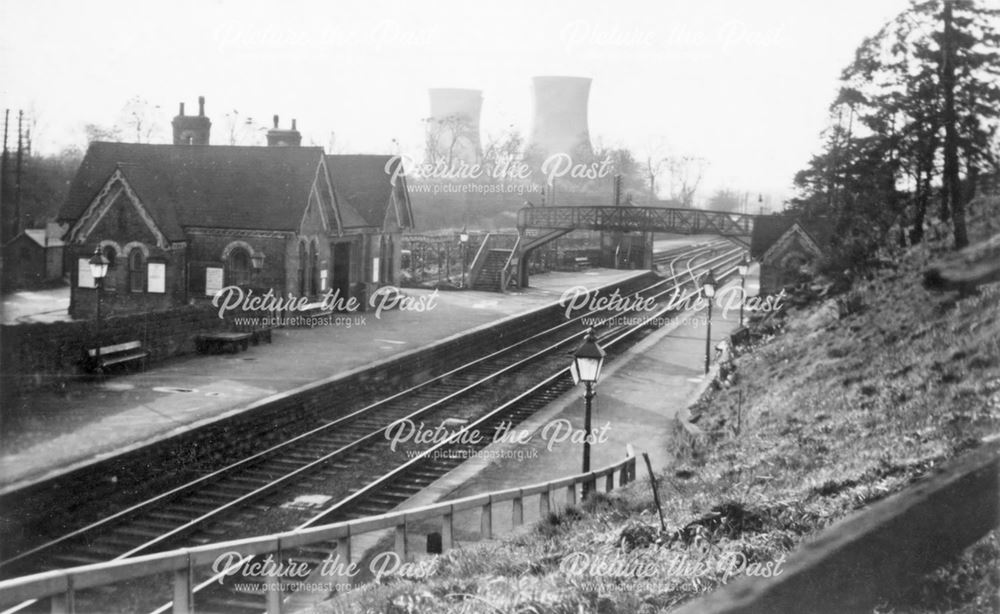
(511, 260)
(61, 585)
(477, 262)
(658, 219)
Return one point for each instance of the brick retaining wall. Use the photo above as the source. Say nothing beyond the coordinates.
(40, 355)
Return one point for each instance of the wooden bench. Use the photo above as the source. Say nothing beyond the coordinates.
(214, 343)
(99, 359)
(257, 333)
(261, 334)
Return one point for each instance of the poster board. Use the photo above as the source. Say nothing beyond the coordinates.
(213, 280)
(156, 277)
(83, 276)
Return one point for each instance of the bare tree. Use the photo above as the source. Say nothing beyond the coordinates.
(685, 175)
(141, 119)
(654, 158)
(449, 137)
(504, 150)
(242, 130)
(97, 132)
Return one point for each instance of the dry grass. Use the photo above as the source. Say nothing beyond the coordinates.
(832, 419)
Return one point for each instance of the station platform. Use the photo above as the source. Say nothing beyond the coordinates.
(638, 397)
(56, 432)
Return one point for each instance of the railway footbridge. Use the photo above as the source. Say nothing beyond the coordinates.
(539, 225)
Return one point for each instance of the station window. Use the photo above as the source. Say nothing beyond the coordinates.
(238, 268)
(110, 281)
(303, 270)
(136, 271)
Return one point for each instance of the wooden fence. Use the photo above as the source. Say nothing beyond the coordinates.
(59, 586)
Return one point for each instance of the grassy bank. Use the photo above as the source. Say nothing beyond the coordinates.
(838, 404)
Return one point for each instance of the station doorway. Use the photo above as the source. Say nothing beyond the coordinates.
(341, 282)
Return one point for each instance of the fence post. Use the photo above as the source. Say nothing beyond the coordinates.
(571, 495)
(543, 504)
(344, 560)
(517, 511)
(183, 595)
(447, 531)
(486, 521)
(401, 539)
(628, 469)
(609, 481)
(272, 593)
(64, 603)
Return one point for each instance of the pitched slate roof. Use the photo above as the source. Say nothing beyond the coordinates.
(767, 229)
(362, 183)
(38, 235)
(253, 188)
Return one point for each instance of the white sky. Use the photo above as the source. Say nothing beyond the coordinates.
(743, 83)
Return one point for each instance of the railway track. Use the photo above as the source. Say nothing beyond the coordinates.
(212, 507)
(667, 261)
(217, 593)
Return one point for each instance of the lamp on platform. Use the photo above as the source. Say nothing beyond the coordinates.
(257, 262)
(98, 270)
(708, 289)
(743, 269)
(587, 363)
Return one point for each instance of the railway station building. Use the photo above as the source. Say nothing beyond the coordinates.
(179, 222)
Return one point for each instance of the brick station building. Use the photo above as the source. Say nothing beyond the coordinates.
(178, 222)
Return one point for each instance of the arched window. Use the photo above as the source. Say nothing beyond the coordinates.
(388, 249)
(110, 280)
(238, 268)
(111, 255)
(314, 266)
(303, 269)
(136, 271)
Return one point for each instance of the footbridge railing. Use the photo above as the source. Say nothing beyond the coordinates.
(632, 219)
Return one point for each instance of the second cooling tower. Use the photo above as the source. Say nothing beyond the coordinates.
(559, 117)
(453, 126)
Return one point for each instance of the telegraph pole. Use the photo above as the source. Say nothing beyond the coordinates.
(17, 173)
(3, 173)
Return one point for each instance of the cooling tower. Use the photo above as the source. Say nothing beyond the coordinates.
(453, 126)
(559, 117)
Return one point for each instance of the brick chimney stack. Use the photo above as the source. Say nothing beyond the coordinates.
(276, 137)
(192, 129)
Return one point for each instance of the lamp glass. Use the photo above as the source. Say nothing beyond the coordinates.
(464, 237)
(257, 260)
(589, 358)
(98, 264)
(588, 368)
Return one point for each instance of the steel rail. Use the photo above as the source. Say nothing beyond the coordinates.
(731, 257)
(298, 439)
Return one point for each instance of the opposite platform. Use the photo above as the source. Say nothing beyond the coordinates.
(54, 433)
